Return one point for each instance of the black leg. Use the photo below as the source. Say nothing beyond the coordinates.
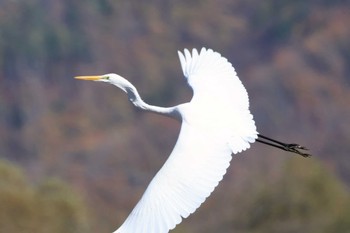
(292, 147)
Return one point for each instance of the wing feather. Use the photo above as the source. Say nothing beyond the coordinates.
(220, 98)
(216, 123)
(182, 184)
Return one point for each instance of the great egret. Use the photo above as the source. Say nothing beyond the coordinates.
(215, 123)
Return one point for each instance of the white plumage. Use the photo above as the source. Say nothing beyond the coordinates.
(216, 123)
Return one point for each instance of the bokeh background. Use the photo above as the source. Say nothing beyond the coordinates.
(76, 156)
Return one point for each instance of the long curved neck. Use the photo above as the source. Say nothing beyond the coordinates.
(137, 101)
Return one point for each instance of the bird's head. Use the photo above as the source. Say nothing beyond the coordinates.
(111, 78)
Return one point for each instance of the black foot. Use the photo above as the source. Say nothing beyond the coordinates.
(295, 148)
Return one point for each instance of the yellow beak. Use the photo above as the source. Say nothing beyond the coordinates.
(93, 78)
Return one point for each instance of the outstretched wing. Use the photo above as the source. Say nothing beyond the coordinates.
(187, 178)
(203, 150)
(220, 100)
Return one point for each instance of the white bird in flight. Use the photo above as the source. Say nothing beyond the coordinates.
(216, 123)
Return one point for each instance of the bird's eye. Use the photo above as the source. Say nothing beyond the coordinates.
(106, 77)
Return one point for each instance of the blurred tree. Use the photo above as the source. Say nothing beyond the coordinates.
(49, 207)
(293, 57)
(305, 198)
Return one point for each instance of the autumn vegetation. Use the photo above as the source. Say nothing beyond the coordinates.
(76, 156)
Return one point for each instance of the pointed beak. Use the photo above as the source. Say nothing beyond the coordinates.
(92, 78)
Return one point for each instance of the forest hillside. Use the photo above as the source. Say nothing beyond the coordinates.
(80, 151)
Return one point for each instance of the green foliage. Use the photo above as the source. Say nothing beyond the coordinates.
(49, 207)
(305, 198)
(277, 20)
(31, 37)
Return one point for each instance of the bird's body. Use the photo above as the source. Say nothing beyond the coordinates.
(216, 123)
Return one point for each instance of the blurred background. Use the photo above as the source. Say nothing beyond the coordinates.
(76, 156)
